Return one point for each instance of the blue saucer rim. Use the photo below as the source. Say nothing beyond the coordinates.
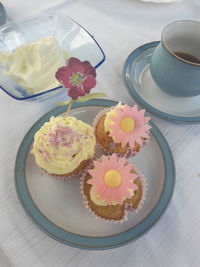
(133, 93)
(80, 241)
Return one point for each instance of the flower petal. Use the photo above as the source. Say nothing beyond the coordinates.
(89, 82)
(88, 69)
(86, 89)
(63, 75)
(80, 89)
(75, 64)
(73, 92)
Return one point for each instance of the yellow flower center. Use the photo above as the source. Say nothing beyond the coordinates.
(127, 124)
(112, 178)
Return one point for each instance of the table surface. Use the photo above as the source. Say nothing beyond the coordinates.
(119, 26)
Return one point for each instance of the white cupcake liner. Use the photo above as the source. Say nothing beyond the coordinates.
(144, 190)
(128, 207)
(75, 175)
(130, 152)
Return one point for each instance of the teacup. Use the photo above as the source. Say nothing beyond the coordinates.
(175, 63)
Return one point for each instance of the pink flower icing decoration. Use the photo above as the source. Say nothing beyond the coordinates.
(112, 179)
(129, 126)
(77, 76)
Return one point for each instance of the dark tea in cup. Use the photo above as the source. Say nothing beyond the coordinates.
(187, 57)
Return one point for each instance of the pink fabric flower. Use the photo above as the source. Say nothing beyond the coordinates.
(77, 76)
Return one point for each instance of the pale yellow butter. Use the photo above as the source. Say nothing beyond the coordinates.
(33, 65)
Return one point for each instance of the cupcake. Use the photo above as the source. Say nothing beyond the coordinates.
(122, 130)
(112, 188)
(64, 146)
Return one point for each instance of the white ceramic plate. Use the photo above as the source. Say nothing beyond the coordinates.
(57, 207)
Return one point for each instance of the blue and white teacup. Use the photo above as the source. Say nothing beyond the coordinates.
(175, 63)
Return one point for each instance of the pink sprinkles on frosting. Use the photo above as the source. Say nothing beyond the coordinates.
(60, 136)
(64, 136)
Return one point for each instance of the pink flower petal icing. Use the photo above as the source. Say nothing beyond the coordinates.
(112, 194)
(140, 130)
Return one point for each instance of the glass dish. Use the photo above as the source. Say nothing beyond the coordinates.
(71, 36)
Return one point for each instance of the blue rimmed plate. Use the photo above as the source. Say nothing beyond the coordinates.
(141, 87)
(57, 207)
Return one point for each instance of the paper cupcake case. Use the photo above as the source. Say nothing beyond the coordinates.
(144, 190)
(92, 212)
(130, 152)
(128, 207)
(75, 175)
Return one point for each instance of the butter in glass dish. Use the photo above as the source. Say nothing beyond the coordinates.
(34, 64)
(27, 37)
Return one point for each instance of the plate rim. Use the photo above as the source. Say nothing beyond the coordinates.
(80, 241)
(134, 95)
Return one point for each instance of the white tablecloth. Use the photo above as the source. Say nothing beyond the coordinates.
(119, 26)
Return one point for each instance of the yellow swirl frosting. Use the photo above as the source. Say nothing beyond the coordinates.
(109, 115)
(61, 144)
(95, 198)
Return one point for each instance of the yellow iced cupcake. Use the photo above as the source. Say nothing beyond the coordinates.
(64, 146)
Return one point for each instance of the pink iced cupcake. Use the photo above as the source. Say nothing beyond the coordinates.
(122, 130)
(112, 188)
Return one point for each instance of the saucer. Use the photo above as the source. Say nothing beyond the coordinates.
(142, 88)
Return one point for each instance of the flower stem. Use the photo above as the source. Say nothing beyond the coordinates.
(69, 107)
